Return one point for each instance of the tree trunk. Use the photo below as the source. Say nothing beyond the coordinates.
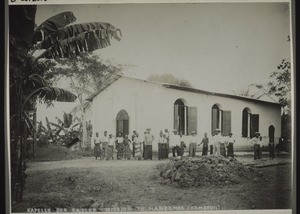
(18, 165)
(34, 143)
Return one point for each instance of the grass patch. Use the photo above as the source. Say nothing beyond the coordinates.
(65, 188)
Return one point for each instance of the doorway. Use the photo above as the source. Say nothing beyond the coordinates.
(271, 133)
(122, 122)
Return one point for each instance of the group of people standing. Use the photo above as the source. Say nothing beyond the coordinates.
(126, 148)
(104, 146)
(256, 141)
(141, 148)
(177, 143)
(222, 145)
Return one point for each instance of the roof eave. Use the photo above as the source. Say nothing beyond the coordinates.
(217, 94)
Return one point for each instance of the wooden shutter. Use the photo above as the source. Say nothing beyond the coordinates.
(176, 117)
(215, 119)
(254, 124)
(226, 123)
(191, 119)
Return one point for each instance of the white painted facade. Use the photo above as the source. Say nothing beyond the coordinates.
(151, 105)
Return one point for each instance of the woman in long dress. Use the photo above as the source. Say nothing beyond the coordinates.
(97, 148)
(148, 145)
(120, 146)
(127, 150)
(137, 147)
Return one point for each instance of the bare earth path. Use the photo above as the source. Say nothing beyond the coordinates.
(133, 184)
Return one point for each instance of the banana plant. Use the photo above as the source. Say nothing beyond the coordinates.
(66, 130)
(56, 38)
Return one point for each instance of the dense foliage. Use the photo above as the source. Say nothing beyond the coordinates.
(27, 80)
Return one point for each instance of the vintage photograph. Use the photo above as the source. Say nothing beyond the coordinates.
(141, 107)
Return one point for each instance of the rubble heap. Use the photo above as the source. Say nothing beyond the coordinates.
(203, 171)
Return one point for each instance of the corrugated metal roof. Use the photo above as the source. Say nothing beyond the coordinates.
(216, 94)
(177, 87)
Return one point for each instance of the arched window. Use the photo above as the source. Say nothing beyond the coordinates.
(250, 123)
(180, 116)
(122, 121)
(220, 119)
(185, 117)
(246, 122)
(216, 117)
(271, 133)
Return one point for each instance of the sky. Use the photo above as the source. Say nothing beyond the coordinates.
(220, 47)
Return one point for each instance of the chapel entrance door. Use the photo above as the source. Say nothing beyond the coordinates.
(122, 122)
(271, 133)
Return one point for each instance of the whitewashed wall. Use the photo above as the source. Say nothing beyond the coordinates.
(151, 105)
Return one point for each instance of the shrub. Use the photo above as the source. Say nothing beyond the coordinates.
(52, 152)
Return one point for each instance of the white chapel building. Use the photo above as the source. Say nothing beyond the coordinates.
(125, 104)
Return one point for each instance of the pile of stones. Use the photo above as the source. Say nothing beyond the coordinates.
(203, 171)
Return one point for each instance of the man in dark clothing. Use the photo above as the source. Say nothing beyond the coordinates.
(205, 142)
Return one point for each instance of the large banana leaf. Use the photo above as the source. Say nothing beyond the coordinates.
(74, 39)
(57, 94)
(52, 93)
(53, 24)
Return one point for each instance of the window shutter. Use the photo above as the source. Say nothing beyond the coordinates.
(191, 119)
(176, 117)
(254, 124)
(215, 119)
(226, 122)
(245, 124)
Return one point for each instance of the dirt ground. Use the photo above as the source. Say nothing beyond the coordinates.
(133, 184)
